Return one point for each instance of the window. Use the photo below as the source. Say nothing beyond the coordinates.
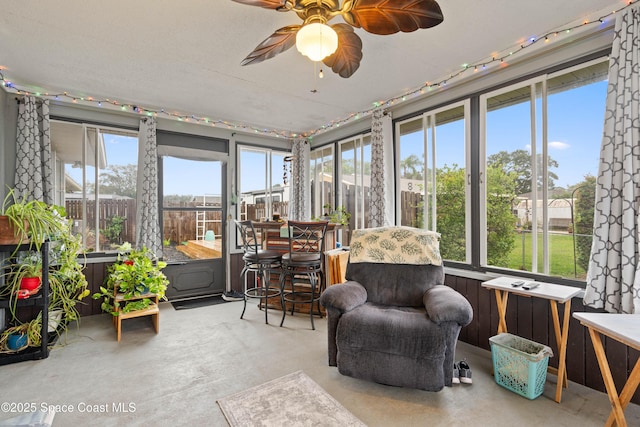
(262, 188)
(322, 188)
(192, 208)
(542, 145)
(95, 180)
(355, 179)
(431, 188)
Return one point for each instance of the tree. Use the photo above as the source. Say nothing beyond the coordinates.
(585, 197)
(120, 180)
(518, 163)
(410, 167)
(450, 200)
(349, 169)
(500, 218)
(451, 223)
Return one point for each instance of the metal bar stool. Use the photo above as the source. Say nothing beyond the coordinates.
(305, 258)
(261, 263)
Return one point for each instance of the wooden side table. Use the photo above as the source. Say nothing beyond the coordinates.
(549, 291)
(152, 311)
(624, 328)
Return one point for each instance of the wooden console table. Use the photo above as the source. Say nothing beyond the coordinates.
(555, 294)
(624, 328)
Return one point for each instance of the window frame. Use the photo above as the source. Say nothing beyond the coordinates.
(269, 193)
(60, 173)
(319, 196)
(429, 124)
(538, 93)
(358, 215)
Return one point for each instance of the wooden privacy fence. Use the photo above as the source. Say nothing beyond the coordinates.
(107, 209)
(411, 205)
(180, 226)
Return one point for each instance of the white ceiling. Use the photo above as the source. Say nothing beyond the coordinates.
(184, 56)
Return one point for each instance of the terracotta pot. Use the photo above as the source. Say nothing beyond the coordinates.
(30, 283)
(7, 233)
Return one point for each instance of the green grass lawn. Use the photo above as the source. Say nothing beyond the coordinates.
(561, 261)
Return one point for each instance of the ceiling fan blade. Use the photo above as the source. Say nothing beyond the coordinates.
(267, 4)
(346, 60)
(391, 16)
(281, 40)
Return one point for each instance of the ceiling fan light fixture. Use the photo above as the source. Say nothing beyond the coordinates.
(316, 41)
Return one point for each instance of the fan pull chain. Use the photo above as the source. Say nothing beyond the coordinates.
(315, 77)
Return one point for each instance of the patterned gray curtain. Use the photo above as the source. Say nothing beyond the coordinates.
(147, 219)
(613, 279)
(300, 209)
(376, 213)
(34, 172)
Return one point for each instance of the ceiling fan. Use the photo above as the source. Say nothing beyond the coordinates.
(338, 46)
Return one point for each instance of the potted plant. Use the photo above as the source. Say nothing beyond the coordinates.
(67, 283)
(23, 275)
(31, 220)
(339, 215)
(22, 278)
(21, 336)
(29, 271)
(136, 273)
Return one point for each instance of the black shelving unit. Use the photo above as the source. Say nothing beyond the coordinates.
(40, 300)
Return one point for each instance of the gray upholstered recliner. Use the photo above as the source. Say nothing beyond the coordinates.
(394, 321)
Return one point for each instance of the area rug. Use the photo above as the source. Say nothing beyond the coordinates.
(196, 302)
(292, 400)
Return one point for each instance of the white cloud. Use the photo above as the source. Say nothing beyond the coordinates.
(557, 145)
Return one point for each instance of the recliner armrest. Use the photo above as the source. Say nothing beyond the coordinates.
(444, 304)
(344, 297)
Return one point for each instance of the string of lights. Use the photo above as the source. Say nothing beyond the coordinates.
(499, 60)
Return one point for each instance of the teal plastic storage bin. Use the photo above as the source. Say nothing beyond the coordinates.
(520, 365)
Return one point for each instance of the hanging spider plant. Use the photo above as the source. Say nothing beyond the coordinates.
(32, 220)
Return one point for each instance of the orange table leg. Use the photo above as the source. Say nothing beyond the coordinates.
(562, 336)
(628, 391)
(501, 300)
(616, 411)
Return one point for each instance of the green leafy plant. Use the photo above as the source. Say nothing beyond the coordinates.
(136, 305)
(66, 280)
(136, 272)
(33, 219)
(113, 231)
(33, 330)
(25, 265)
(339, 215)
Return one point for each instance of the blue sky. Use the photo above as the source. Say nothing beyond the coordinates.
(182, 177)
(191, 177)
(576, 119)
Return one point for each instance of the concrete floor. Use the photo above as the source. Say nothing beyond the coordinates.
(202, 354)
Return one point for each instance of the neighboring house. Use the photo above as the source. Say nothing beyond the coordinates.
(559, 211)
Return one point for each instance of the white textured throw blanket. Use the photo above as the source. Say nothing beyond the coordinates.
(395, 245)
